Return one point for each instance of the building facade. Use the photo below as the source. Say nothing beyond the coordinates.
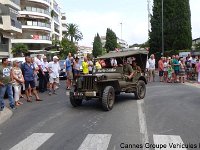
(41, 23)
(9, 25)
(64, 24)
(121, 42)
(84, 51)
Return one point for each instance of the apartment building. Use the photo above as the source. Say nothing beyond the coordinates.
(9, 25)
(41, 23)
(121, 42)
(84, 51)
(64, 24)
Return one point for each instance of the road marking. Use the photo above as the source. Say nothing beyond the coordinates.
(168, 140)
(32, 142)
(143, 125)
(96, 142)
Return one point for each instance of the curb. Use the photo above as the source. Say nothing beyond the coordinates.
(192, 84)
(5, 115)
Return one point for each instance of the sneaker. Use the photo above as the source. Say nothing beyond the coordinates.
(1, 108)
(54, 92)
(13, 107)
(50, 93)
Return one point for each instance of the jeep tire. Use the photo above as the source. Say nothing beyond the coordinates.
(75, 102)
(108, 98)
(140, 90)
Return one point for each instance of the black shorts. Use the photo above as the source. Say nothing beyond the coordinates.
(31, 83)
(176, 72)
(161, 73)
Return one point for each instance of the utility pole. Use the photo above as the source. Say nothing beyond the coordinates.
(162, 31)
(121, 30)
(149, 16)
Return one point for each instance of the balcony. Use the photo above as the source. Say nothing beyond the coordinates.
(15, 4)
(34, 38)
(33, 11)
(56, 20)
(11, 24)
(45, 2)
(36, 25)
(56, 9)
(4, 48)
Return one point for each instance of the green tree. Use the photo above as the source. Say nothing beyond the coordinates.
(66, 47)
(111, 40)
(97, 46)
(18, 50)
(177, 26)
(73, 33)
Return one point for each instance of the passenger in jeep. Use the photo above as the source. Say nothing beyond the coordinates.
(136, 67)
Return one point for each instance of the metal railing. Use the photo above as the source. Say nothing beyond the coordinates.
(16, 24)
(39, 10)
(56, 19)
(16, 2)
(36, 37)
(4, 48)
(36, 23)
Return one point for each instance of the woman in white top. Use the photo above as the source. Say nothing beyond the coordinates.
(18, 80)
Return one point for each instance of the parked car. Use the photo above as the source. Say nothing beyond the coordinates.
(62, 74)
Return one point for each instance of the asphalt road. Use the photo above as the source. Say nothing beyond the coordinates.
(169, 114)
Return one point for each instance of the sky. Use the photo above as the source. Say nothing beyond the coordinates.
(95, 16)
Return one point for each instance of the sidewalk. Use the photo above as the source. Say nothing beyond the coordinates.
(192, 83)
(5, 115)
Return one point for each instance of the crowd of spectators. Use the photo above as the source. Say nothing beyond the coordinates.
(15, 77)
(175, 69)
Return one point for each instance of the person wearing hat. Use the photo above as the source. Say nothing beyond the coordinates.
(54, 68)
(18, 80)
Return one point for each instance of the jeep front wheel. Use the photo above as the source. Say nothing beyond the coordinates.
(140, 90)
(75, 102)
(108, 98)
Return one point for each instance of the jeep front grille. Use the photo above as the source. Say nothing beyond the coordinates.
(88, 83)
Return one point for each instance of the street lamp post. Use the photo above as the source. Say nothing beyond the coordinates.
(121, 30)
(162, 31)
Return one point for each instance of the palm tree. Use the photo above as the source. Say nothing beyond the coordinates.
(73, 33)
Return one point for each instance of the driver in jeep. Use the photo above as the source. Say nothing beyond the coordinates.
(128, 70)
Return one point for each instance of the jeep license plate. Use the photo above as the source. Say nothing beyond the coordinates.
(91, 93)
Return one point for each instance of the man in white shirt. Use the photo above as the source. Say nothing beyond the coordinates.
(152, 68)
(113, 62)
(90, 65)
(54, 68)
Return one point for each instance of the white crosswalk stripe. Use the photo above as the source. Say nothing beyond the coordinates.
(172, 142)
(33, 142)
(96, 142)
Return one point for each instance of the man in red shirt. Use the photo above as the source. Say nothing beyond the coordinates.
(161, 68)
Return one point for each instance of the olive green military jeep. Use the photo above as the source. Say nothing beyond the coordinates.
(107, 82)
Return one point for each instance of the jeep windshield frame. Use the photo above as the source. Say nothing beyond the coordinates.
(140, 55)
